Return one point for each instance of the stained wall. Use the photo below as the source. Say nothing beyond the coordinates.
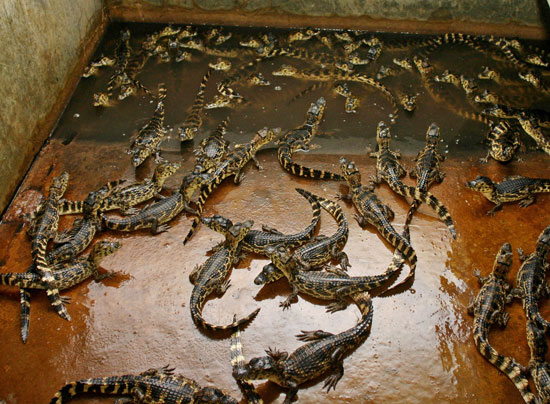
(42, 44)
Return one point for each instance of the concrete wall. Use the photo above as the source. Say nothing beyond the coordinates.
(529, 13)
(42, 44)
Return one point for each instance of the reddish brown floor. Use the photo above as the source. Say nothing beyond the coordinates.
(420, 349)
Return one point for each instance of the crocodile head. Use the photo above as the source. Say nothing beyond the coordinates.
(316, 110)
(150, 42)
(447, 77)
(350, 172)
(351, 104)
(165, 170)
(486, 97)
(404, 63)
(285, 70)
(267, 275)
(101, 100)
(139, 155)
(187, 133)
(468, 84)
(194, 43)
(432, 135)
(238, 231)
(125, 34)
(383, 135)
(262, 367)
(258, 80)
(220, 65)
(531, 78)
(126, 91)
(211, 395)
(488, 74)
(499, 111)
(187, 32)
(481, 184)
(104, 248)
(503, 261)
(535, 59)
(251, 43)
(59, 185)
(218, 223)
(265, 135)
(169, 30)
(408, 102)
(423, 65)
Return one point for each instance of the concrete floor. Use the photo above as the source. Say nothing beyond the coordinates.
(420, 349)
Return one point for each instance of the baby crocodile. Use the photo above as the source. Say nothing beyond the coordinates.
(233, 164)
(372, 210)
(64, 277)
(130, 195)
(211, 276)
(299, 140)
(325, 353)
(333, 285)
(154, 216)
(151, 386)
(322, 249)
(258, 240)
(391, 171)
(488, 309)
(193, 122)
(427, 168)
(151, 135)
(538, 367)
(503, 142)
(510, 189)
(130, 84)
(42, 230)
(531, 279)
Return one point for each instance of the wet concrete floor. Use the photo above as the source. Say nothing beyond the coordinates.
(420, 349)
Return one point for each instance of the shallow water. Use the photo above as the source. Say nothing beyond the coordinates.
(420, 349)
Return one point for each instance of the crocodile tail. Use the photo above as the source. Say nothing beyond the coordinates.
(104, 385)
(19, 279)
(162, 91)
(505, 364)
(70, 207)
(428, 199)
(531, 308)
(307, 233)
(364, 303)
(543, 185)
(205, 192)
(25, 317)
(314, 87)
(201, 322)
(285, 158)
(402, 245)
(38, 252)
(238, 362)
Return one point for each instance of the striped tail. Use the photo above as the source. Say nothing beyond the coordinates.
(162, 91)
(238, 362)
(543, 185)
(428, 199)
(314, 87)
(38, 252)
(196, 314)
(106, 385)
(19, 279)
(402, 245)
(25, 318)
(70, 207)
(301, 171)
(384, 90)
(506, 365)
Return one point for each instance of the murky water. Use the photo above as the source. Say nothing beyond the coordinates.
(420, 349)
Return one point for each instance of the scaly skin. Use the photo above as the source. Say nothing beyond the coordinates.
(130, 85)
(441, 95)
(299, 139)
(372, 210)
(325, 353)
(151, 135)
(193, 122)
(502, 111)
(321, 250)
(232, 165)
(257, 241)
(503, 143)
(198, 44)
(42, 231)
(154, 217)
(427, 169)
(130, 195)
(510, 189)
(151, 386)
(338, 75)
(531, 126)
(538, 367)
(221, 65)
(211, 277)
(352, 102)
(531, 280)
(121, 56)
(333, 285)
(391, 171)
(488, 309)
(65, 276)
(302, 35)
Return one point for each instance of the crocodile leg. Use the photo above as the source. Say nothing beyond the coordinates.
(497, 207)
(290, 395)
(194, 273)
(285, 304)
(337, 369)
(313, 335)
(529, 199)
